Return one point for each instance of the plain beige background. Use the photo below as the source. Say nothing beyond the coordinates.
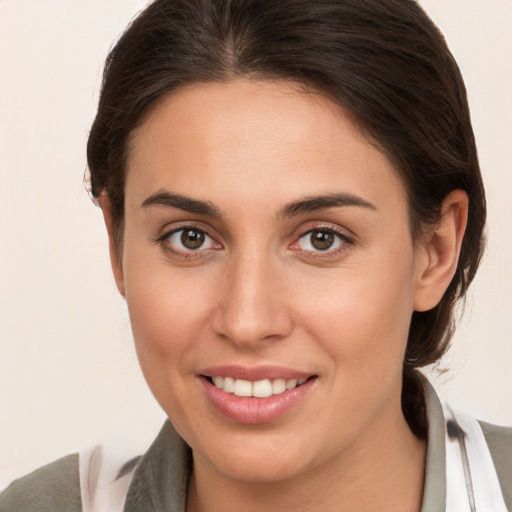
(68, 374)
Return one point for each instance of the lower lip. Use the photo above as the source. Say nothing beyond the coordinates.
(252, 410)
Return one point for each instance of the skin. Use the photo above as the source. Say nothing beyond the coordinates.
(258, 293)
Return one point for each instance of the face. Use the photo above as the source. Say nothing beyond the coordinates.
(270, 277)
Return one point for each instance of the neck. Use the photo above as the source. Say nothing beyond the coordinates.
(385, 471)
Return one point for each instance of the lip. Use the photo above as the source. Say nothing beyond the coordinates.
(255, 373)
(252, 410)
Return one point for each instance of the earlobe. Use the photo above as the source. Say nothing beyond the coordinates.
(439, 254)
(115, 257)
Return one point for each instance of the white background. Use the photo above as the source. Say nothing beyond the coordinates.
(68, 374)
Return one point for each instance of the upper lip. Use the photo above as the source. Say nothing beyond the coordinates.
(255, 373)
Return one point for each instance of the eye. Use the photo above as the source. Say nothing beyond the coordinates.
(189, 239)
(321, 240)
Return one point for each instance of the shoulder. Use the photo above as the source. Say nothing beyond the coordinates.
(499, 441)
(52, 488)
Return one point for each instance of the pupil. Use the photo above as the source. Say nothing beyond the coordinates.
(322, 240)
(192, 239)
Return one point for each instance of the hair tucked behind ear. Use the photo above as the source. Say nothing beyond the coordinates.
(382, 60)
(413, 402)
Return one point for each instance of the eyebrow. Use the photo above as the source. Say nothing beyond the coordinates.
(168, 200)
(323, 202)
(305, 205)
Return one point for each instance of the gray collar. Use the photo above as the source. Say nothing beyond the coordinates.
(434, 490)
(161, 478)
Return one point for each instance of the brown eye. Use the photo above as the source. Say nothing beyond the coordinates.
(321, 240)
(192, 238)
(189, 239)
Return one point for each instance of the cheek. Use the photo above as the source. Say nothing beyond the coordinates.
(362, 317)
(168, 315)
(165, 313)
(167, 321)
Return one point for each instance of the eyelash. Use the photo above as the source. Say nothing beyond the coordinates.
(345, 241)
(163, 241)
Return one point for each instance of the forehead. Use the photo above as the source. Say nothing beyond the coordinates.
(263, 138)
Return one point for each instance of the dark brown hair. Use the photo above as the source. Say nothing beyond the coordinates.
(383, 60)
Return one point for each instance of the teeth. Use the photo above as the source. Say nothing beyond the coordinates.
(229, 385)
(243, 388)
(278, 386)
(260, 389)
(291, 383)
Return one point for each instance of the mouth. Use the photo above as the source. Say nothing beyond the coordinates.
(258, 395)
(263, 388)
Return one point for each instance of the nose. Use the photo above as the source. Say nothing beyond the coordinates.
(252, 306)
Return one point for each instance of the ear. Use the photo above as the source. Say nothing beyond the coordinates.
(439, 253)
(115, 257)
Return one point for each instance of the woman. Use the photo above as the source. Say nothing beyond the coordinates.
(294, 206)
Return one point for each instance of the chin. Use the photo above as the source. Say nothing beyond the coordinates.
(263, 470)
(261, 457)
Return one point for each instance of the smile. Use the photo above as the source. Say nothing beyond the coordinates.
(258, 389)
(255, 395)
